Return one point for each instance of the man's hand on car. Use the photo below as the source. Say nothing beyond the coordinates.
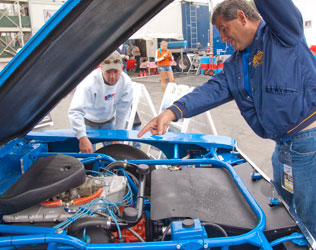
(159, 125)
(85, 146)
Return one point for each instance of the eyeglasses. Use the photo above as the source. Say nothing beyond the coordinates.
(108, 61)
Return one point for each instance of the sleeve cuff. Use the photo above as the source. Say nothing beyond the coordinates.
(179, 110)
(80, 135)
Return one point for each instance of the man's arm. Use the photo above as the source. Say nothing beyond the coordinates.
(76, 117)
(283, 17)
(205, 97)
(209, 95)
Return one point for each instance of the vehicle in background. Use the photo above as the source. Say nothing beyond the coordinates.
(184, 25)
(186, 28)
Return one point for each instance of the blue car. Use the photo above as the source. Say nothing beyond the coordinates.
(203, 195)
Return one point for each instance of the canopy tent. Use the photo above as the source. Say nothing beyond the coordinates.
(166, 24)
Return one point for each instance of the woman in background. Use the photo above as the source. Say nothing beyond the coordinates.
(163, 59)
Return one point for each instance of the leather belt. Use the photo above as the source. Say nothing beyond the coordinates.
(96, 124)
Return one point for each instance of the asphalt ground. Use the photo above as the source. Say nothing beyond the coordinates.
(227, 119)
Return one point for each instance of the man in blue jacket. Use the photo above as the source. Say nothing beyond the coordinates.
(272, 78)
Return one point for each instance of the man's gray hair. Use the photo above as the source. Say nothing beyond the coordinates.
(228, 10)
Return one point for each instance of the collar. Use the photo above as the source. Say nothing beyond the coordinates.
(255, 38)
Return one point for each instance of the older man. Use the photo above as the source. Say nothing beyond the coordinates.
(102, 101)
(272, 78)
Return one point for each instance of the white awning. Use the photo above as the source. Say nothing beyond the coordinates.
(166, 24)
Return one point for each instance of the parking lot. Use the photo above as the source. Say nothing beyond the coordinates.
(227, 119)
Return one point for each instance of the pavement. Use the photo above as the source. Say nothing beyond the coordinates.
(227, 119)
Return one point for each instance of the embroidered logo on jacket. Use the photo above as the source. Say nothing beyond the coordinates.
(257, 59)
(108, 97)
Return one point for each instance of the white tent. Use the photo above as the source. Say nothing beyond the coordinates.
(166, 24)
(307, 8)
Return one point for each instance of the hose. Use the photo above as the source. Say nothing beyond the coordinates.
(110, 224)
(120, 164)
(216, 226)
(136, 234)
(88, 198)
(57, 203)
(165, 232)
(78, 201)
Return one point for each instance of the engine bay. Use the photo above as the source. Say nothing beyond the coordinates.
(207, 195)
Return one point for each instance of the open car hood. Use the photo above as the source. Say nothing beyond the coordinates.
(67, 48)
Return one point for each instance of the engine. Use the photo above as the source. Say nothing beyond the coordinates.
(107, 207)
(62, 206)
(122, 202)
(111, 205)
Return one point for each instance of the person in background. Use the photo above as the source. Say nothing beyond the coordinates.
(102, 101)
(124, 55)
(136, 54)
(272, 78)
(163, 59)
(129, 50)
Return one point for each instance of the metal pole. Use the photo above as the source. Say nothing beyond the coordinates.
(20, 22)
(181, 61)
(211, 28)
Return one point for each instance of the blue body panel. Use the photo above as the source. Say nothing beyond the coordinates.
(202, 140)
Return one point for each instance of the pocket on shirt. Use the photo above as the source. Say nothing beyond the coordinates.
(281, 105)
(280, 90)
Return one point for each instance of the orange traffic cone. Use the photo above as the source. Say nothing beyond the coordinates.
(140, 73)
(144, 74)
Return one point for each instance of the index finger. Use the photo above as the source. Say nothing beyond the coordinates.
(144, 130)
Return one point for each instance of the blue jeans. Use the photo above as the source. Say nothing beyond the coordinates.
(136, 144)
(164, 69)
(301, 150)
(109, 125)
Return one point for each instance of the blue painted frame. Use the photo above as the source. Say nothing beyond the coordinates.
(177, 144)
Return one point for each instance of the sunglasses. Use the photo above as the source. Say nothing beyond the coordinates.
(107, 61)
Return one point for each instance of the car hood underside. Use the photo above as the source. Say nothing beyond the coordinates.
(68, 47)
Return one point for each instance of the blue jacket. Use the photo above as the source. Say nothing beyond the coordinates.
(282, 77)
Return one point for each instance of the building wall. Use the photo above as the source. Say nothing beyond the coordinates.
(308, 10)
(41, 11)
